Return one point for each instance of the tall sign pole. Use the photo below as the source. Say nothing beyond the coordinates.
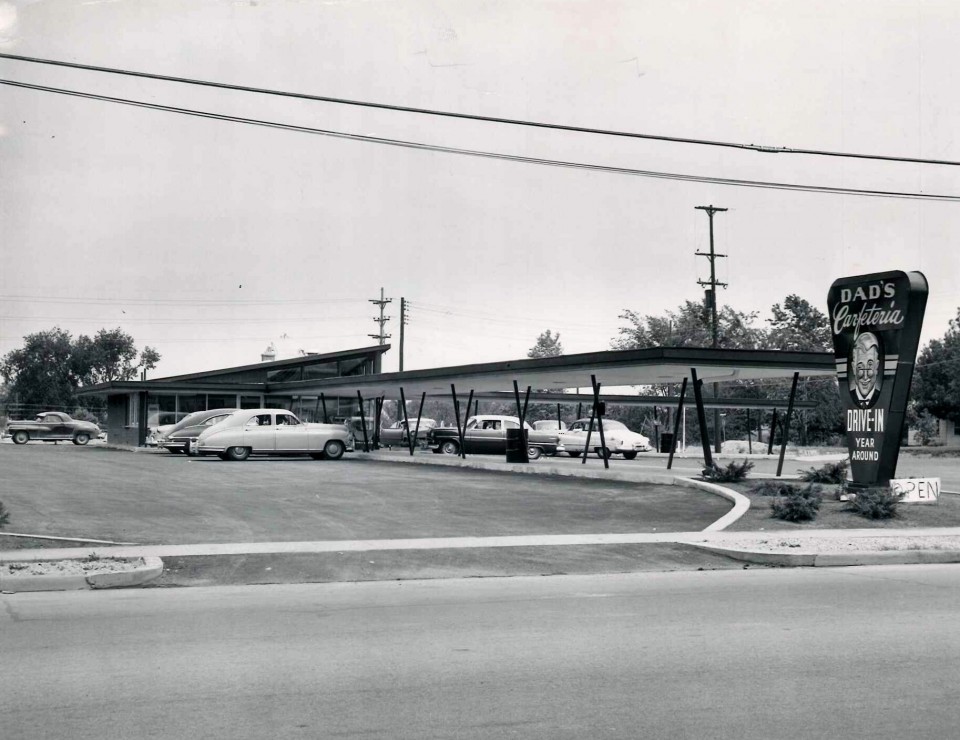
(711, 297)
(876, 321)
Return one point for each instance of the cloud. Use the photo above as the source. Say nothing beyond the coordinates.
(8, 21)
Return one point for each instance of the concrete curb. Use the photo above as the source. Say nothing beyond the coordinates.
(741, 504)
(152, 568)
(836, 559)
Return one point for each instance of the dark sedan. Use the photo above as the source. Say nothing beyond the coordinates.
(186, 431)
(53, 426)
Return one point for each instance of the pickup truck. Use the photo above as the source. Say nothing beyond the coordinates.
(52, 426)
(487, 435)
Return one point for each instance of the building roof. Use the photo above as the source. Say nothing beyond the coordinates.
(616, 368)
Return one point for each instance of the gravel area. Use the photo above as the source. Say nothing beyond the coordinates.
(817, 545)
(70, 567)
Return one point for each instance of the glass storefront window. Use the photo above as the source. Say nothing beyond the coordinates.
(250, 402)
(320, 370)
(279, 376)
(353, 367)
(222, 401)
(187, 403)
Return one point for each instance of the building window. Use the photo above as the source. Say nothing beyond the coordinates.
(133, 409)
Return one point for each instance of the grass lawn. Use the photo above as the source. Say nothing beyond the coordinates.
(833, 513)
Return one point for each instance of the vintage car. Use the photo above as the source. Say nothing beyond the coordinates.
(273, 432)
(52, 426)
(178, 437)
(397, 434)
(487, 435)
(620, 440)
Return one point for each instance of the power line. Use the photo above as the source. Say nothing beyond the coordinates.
(475, 117)
(174, 301)
(823, 189)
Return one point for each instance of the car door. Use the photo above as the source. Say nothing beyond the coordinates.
(487, 437)
(259, 433)
(50, 426)
(291, 435)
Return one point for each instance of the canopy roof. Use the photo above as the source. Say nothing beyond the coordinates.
(614, 368)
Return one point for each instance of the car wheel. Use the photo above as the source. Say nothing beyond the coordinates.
(450, 448)
(20, 438)
(629, 455)
(238, 453)
(603, 452)
(81, 438)
(534, 453)
(333, 450)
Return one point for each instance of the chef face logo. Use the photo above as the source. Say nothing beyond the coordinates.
(865, 369)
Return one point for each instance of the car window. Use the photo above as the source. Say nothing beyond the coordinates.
(261, 420)
(287, 420)
(471, 424)
(215, 420)
(491, 424)
(51, 419)
(511, 424)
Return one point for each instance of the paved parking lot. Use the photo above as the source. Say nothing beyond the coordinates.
(116, 495)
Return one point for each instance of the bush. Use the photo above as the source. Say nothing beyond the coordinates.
(874, 503)
(773, 488)
(730, 474)
(799, 505)
(4, 516)
(829, 473)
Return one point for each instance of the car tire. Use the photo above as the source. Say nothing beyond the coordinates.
(534, 453)
(334, 449)
(603, 452)
(238, 454)
(81, 438)
(450, 447)
(20, 438)
(629, 455)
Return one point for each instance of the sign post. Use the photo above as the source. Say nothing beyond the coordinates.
(876, 321)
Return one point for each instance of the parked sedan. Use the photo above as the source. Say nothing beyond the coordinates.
(273, 432)
(487, 435)
(397, 433)
(620, 440)
(180, 436)
(52, 426)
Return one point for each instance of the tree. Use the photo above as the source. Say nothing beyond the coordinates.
(51, 366)
(688, 326)
(798, 325)
(548, 345)
(936, 380)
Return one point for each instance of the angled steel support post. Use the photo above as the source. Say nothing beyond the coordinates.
(773, 428)
(416, 431)
(378, 420)
(599, 408)
(406, 421)
(786, 422)
(579, 410)
(463, 435)
(676, 424)
(558, 417)
(456, 413)
(586, 444)
(363, 424)
(701, 418)
(323, 401)
(749, 435)
(316, 411)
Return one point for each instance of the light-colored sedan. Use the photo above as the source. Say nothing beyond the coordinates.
(273, 432)
(620, 440)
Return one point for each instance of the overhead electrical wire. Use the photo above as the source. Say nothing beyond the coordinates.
(823, 189)
(473, 116)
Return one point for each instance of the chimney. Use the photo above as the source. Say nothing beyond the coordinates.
(269, 354)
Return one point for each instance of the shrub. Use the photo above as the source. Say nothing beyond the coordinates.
(773, 488)
(4, 516)
(874, 503)
(799, 505)
(829, 473)
(730, 474)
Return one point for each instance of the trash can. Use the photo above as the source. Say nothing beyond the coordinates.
(517, 446)
(666, 441)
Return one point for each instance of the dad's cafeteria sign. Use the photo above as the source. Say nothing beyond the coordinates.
(876, 322)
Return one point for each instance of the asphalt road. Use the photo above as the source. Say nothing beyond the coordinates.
(840, 653)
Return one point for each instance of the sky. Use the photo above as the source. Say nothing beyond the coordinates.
(210, 240)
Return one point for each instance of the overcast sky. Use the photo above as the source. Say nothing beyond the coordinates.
(210, 240)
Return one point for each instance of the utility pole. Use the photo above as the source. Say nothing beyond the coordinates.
(382, 319)
(711, 298)
(403, 322)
